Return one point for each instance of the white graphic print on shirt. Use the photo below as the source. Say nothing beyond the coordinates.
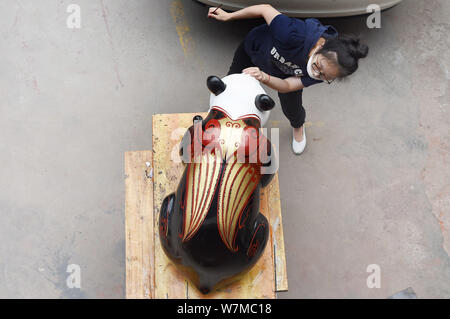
(285, 67)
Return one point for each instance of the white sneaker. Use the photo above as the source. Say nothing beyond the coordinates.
(299, 147)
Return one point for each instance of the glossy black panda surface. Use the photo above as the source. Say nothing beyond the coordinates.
(212, 225)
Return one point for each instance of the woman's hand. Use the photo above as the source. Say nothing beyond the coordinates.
(256, 73)
(220, 14)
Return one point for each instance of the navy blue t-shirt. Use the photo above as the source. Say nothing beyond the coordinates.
(281, 49)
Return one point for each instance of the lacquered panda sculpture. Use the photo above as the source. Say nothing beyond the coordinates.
(211, 226)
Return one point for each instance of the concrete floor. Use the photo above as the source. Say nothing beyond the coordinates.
(371, 188)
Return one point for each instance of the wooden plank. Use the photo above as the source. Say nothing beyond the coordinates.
(276, 221)
(259, 282)
(139, 225)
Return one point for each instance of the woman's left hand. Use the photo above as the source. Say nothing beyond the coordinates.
(256, 73)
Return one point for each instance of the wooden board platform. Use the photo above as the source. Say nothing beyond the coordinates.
(140, 274)
(150, 274)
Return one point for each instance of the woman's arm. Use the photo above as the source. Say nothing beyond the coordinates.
(257, 11)
(287, 85)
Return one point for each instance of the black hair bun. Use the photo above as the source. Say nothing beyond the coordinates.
(357, 50)
(361, 49)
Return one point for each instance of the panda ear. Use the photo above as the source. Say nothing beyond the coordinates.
(264, 102)
(215, 85)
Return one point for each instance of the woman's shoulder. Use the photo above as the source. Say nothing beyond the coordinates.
(287, 30)
(315, 26)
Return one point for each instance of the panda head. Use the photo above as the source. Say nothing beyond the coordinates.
(239, 96)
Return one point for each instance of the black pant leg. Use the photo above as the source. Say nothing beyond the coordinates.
(241, 60)
(292, 106)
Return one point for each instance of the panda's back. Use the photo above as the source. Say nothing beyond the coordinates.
(220, 191)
